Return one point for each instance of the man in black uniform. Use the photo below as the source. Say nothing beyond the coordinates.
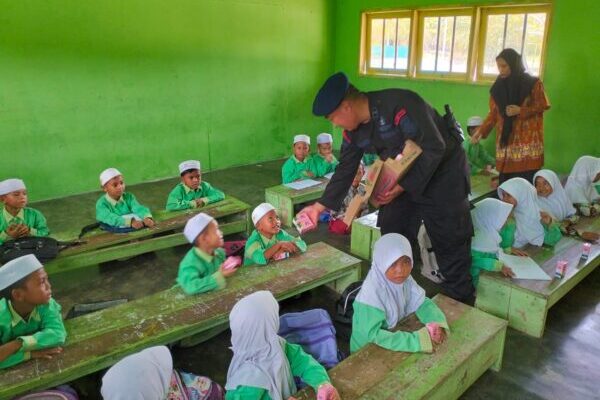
(434, 190)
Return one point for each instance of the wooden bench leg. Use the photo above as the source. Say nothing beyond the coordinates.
(497, 366)
(340, 284)
(360, 240)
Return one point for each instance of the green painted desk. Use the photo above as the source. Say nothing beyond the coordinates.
(97, 341)
(284, 198)
(525, 303)
(476, 343)
(481, 187)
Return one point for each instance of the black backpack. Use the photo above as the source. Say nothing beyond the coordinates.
(345, 304)
(44, 248)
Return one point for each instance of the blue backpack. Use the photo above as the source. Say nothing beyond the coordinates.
(314, 331)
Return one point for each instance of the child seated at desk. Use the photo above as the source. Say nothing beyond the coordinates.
(583, 186)
(17, 220)
(202, 269)
(31, 324)
(300, 165)
(118, 210)
(325, 161)
(192, 191)
(480, 161)
(268, 241)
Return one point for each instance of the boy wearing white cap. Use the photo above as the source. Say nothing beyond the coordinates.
(202, 269)
(325, 161)
(300, 165)
(192, 191)
(479, 159)
(16, 219)
(31, 324)
(268, 241)
(117, 208)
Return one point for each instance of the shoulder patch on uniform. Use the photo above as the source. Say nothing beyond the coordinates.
(399, 115)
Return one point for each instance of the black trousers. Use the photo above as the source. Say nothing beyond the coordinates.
(450, 229)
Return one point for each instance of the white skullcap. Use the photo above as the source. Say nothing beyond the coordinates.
(324, 138)
(108, 174)
(17, 269)
(302, 138)
(260, 211)
(11, 185)
(196, 226)
(189, 164)
(474, 121)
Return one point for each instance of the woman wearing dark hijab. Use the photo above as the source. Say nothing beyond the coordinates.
(517, 105)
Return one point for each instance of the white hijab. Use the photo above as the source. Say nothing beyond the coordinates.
(557, 203)
(580, 185)
(396, 300)
(142, 376)
(259, 358)
(489, 216)
(527, 212)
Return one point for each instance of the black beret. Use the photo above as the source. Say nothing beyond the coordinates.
(331, 94)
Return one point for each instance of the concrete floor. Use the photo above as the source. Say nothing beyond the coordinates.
(565, 364)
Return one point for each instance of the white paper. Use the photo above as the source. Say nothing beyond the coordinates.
(523, 267)
(328, 176)
(303, 184)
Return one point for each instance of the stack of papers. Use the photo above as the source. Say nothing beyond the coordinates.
(523, 267)
(303, 184)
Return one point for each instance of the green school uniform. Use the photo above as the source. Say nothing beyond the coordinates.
(302, 365)
(43, 329)
(184, 198)
(324, 167)
(369, 326)
(552, 234)
(200, 272)
(477, 156)
(489, 261)
(293, 169)
(256, 245)
(110, 211)
(32, 218)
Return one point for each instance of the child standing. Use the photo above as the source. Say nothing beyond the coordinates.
(17, 220)
(336, 223)
(325, 161)
(268, 241)
(31, 324)
(480, 161)
(300, 165)
(390, 294)
(202, 270)
(583, 185)
(119, 210)
(192, 191)
(264, 364)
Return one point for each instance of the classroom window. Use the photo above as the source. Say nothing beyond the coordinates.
(389, 42)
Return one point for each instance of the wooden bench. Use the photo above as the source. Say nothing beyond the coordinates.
(97, 341)
(475, 343)
(284, 198)
(481, 187)
(231, 213)
(525, 303)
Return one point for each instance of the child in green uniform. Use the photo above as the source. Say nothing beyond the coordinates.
(390, 294)
(202, 270)
(118, 209)
(268, 241)
(531, 225)
(480, 161)
(300, 165)
(192, 191)
(583, 186)
(31, 324)
(264, 364)
(16, 219)
(325, 161)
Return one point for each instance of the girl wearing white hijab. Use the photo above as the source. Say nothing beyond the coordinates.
(390, 294)
(264, 364)
(551, 196)
(531, 225)
(489, 216)
(149, 375)
(583, 185)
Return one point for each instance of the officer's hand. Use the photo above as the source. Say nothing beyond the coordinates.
(313, 211)
(390, 195)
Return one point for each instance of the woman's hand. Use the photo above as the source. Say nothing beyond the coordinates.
(513, 110)
(476, 136)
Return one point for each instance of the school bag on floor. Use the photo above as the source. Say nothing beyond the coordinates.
(314, 331)
(63, 392)
(344, 307)
(43, 247)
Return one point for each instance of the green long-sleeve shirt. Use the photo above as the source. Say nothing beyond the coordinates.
(111, 211)
(200, 272)
(184, 198)
(324, 167)
(552, 234)
(256, 245)
(293, 169)
(483, 261)
(369, 326)
(303, 365)
(34, 220)
(477, 156)
(43, 329)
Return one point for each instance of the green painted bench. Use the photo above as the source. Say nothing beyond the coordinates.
(481, 187)
(97, 341)
(283, 198)
(525, 303)
(231, 213)
(475, 343)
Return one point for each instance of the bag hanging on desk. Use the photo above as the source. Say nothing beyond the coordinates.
(44, 248)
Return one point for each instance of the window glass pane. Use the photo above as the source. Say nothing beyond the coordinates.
(403, 43)
(389, 41)
(534, 40)
(430, 34)
(462, 36)
(493, 43)
(445, 44)
(376, 43)
(514, 32)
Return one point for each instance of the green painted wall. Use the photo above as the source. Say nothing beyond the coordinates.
(571, 77)
(143, 84)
